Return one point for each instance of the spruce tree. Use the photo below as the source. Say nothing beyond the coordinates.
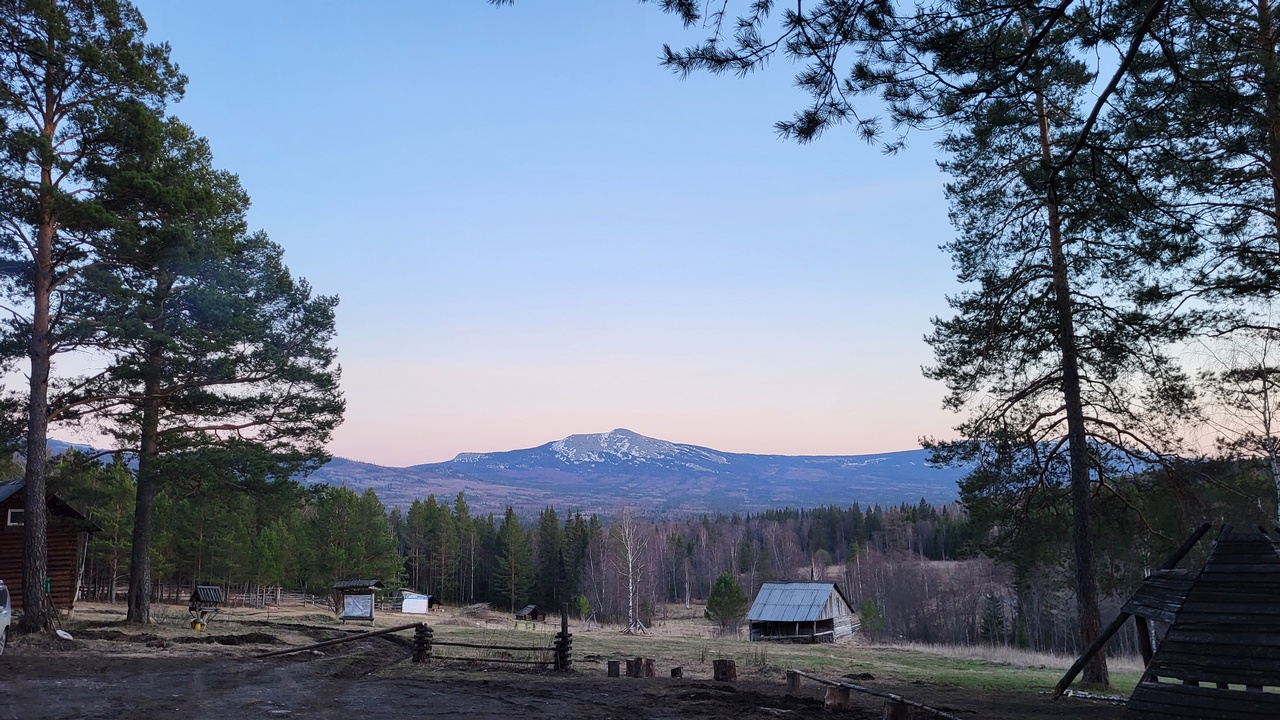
(726, 605)
(549, 570)
(512, 564)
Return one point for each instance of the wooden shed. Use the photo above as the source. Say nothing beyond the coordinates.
(806, 612)
(532, 613)
(68, 535)
(1218, 657)
(354, 598)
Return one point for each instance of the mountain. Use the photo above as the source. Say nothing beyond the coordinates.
(604, 471)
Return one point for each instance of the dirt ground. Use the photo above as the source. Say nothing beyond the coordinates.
(115, 671)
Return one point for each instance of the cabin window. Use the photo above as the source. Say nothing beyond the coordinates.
(16, 516)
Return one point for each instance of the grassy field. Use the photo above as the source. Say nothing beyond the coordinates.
(681, 639)
(691, 644)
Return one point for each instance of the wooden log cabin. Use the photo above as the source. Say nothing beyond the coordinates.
(68, 534)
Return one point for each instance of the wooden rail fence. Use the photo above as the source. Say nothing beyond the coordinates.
(561, 649)
(424, 644)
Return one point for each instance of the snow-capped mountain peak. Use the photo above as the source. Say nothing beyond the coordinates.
(622, 445)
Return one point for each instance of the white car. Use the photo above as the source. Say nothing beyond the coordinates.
(5, 614)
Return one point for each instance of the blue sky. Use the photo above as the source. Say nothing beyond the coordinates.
(535, 230)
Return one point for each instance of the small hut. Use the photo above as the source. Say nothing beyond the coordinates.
(531, 613)
(354, 599)
(805, 612)
(68, 535)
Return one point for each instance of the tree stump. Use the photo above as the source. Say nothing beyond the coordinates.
(837, 698)
(647, 669)
(725, 670)
(793, 682)
(894, 710)
(677, 672)
(614, 667)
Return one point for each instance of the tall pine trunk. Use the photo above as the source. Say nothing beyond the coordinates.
(38, 611)
(148, 486)
(1087, 611)
(1271, 90)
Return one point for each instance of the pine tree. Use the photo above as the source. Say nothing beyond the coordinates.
(63, 66)
(1209, 133)
(218, 353)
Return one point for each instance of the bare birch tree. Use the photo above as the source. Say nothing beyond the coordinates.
(631, 542)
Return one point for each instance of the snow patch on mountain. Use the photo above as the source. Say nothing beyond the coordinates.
(622, 445)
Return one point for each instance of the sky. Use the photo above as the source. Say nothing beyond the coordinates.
(536, 230)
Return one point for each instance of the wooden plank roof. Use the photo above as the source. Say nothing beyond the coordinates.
(1160, 595)
(349, 585)
(1225, 635)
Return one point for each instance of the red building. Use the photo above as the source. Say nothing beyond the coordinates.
(68, 533)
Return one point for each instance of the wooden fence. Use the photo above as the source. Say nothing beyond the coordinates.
(559, 654)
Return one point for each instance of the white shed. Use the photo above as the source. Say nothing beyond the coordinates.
(415, 603)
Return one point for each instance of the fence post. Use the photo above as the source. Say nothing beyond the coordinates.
(564, 643)
(422, 638)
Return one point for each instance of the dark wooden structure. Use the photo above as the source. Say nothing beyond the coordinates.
(532, 613)
(68, 535)
(206, 601)
(1220, 657)
(354, 599)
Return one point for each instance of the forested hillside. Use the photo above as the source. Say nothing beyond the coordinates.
(919, 572)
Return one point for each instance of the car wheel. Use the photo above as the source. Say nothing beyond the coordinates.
(4, 637)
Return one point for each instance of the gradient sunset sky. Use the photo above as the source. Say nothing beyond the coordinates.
(535, 230)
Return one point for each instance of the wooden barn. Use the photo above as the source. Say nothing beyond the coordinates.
(532, 613)
(806, 612)
(68, 534)
(1218, 657)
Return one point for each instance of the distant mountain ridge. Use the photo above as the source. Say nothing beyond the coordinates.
(604, 471)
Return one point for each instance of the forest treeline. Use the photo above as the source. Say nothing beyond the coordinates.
(919, 572)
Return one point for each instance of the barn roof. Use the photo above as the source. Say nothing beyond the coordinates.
(793, 601)
(528, 609)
